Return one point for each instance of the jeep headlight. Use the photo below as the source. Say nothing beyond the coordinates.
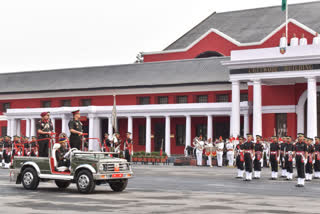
(101, 167)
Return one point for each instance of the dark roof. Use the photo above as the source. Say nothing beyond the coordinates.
(251, 25)
(180, 72)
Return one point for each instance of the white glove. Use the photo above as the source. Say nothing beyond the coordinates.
(313, 161)
(282, 159)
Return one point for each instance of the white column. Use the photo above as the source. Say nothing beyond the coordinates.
(33, 127)
(53, 120)
(64, 123)
(130, 124)
(18, 130)
(209, 127)
(231, 125)
(167, 136)
(235, 108)
(9, 127)
(188, 130)
(28, 128)
(110, 127)
(91, 132)
(245, 125)
(13, 128)
(148, 134)
(97, 128)
(257, 115)
(312, 107)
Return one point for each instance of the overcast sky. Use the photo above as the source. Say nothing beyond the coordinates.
(48, 34)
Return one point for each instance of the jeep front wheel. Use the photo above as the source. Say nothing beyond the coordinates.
(85, 182)
(30, 179)
(62, 184)
(118, 186)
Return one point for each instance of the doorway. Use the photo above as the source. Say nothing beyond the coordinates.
(159, 135)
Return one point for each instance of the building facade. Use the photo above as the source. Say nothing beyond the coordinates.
(225, 77)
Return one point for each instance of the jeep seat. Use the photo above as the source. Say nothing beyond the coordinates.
(56, 146)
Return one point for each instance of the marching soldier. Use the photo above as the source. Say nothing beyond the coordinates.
(230, 152)
(288, 158)
(282, 151)
(220, 146)
(248, 154)
(208, 151)
(44, 129)
(309, 162)
(316, 158)
(240, 158)
(258, 150)
(301, 156)
(76, 131)
(274, 157)
(128, 147)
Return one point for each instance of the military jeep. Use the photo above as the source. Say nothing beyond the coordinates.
(87, 169)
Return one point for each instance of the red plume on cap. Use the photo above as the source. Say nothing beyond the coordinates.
(220, 138)
(280, 139)
(238, 138)
(43, 114)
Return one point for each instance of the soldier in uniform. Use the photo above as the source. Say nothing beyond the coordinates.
(288, 158)
(44, 130)
(117, 144)
(258, 150)
(274, 157)
(316, 158)
(309, 162)
(17, 146)
(240, 158)
(301, 155)
(34, 146)
(60, 154)
(282, 151)
(76, 131)
(220, 147)
(128, 147)
(230, 152)
(1, 148)
(7, 152)
(106, 143)
(248, 148)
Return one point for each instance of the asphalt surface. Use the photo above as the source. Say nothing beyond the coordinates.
(168, 189)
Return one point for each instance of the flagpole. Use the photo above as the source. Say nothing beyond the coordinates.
(287, 22)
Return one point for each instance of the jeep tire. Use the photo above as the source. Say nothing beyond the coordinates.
(85, 182)
(118, 186)
(62, 184)
(29, 178)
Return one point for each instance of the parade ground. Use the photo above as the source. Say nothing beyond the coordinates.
(168, 189)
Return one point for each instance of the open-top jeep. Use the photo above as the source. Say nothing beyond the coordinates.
(87, 169)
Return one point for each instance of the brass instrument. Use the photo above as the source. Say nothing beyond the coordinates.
(197, 144)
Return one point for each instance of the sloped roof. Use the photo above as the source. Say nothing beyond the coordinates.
(179, 72)
(251, 25)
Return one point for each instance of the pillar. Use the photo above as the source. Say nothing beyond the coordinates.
(8, 127)
(167, 136)
(91, 132)
(245, 125)
(110, 131)
(13, 127)
(130, 124)
(257, 117)
(188, 130)
(209, 127)
(33, 127)
(28, 128)
(148, 134)
(18, 130)
(53, 120)
(235, 109)
(312, 107)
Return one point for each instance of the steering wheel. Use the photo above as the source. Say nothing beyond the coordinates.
(67, 155)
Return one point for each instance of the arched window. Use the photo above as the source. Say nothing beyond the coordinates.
(208, 54)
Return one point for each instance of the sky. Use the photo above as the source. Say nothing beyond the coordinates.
(53, 34)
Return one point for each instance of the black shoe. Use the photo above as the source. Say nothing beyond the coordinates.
(271, 178)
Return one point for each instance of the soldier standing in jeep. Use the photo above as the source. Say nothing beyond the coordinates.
(44, 129)
(75, 127)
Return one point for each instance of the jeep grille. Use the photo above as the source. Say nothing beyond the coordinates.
(109, 167)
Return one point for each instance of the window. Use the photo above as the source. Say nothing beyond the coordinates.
(281, 124)
(65, 102)
(86, 102)
(222, 98)
(5, 106)
(180, 134)
(243, 97)
(182, 99)
(201, 129)
(144, 100)
(202, 98)
(162, 100)
(3, 130)
(46, 104)
(142, 135)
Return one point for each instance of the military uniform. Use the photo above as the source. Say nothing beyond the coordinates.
(248, 149)
(282, 162)
(300, 150)
(288, 159)
(75, 139)
(274, 150)
(106, 145)
(317, 159)
(45, 126)
(1, 150)
(309, 164)
(230, 153)
(60, 157)
(34, 147)
(128, 149)
(7, 151)
(220, 146)
(240, 160)
(258, 148)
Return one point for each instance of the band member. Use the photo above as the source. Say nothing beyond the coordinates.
(208, 151)
(240, 158)
(274, 157)
(199, 150)
(316, 158)
(17, 150)
(34, 146)
(288, 158)
(76, 131)
(301, 155)
(258, 150)
(220, 147)
(230, 152)
(248, 155)
(61, 152)
(26, 145)
(7, 151)
(44, 129)
(309, 161)
(282, 151)
(128, 147)
(106, 143)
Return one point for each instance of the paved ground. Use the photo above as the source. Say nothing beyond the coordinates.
(168, 189)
